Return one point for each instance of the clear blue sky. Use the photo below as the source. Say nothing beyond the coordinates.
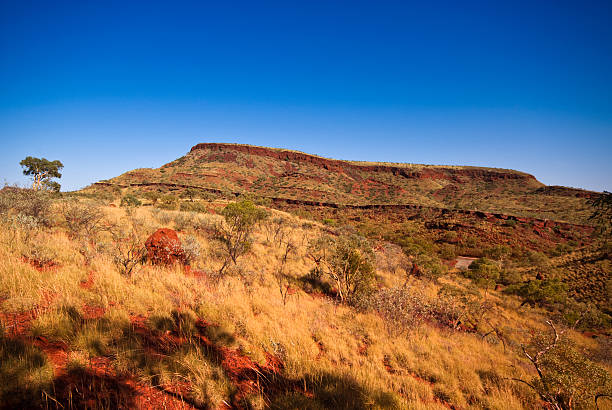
(117, 85)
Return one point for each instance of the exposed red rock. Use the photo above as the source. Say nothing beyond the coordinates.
(164, 248)
(452, 174)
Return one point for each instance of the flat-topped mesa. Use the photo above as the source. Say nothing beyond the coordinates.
(229, 170)
(413, 171)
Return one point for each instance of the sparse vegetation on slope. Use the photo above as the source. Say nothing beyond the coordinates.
(79, 330)
(232, 169)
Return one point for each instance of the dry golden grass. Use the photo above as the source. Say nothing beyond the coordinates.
(342, 357)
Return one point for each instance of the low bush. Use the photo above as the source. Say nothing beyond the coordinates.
(168, 201)
(35, 204)
(24, 225)
(447, 251)
(81, 218)
(162, 216)
(539, 292)
(430, 266)
(184, 221)
(152, 196)
(193, 207)
(330, 222)
(234, 235)
(566, 378)
(583, 316)
(127, 250)
(510, 277)
(498, 252)
(191, 247)
(130, 201)
(349, 261)
(402, 309)
(484, 272)
(406, 308)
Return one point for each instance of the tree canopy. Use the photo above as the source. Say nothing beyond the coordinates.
(42, 171)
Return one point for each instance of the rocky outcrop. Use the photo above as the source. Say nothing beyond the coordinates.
(164, 248)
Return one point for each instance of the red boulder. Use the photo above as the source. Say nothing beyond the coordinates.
(164, 248)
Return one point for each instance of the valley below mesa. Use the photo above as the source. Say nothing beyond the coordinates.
(247, 277)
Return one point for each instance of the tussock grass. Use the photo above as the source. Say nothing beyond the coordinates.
(341, 357)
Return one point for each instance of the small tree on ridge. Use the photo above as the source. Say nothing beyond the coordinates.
(41, 170)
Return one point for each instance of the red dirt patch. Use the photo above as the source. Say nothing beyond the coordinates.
(19, 323)
(41, 266)
(363, 349)
(93, 312)
(189, 271)
(88, 283)
(387, 364)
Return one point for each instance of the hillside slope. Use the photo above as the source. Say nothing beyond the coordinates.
(296, 176)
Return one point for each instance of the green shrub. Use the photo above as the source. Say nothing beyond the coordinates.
(234, 236)
(450, 236)
(190, 193)
(330, 222)
(349, 261)
(539, 292)
(81, 218)
(130, 201)
(510, 277)
(583, 316)
(430, 266)
(193, 207)
(561, 249)
(484, 272)
(152, 196)
(498, 252)
(35, 204)
(537, 259)
(184, 221)
(447, 251)
(566, 378)
(168, 201)
(511, 223)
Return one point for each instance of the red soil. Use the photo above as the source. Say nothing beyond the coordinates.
(41, 266)
(88, 283)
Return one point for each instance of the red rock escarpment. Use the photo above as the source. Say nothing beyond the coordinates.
(438, 172)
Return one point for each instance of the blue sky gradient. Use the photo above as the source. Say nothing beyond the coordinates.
(111, 86)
